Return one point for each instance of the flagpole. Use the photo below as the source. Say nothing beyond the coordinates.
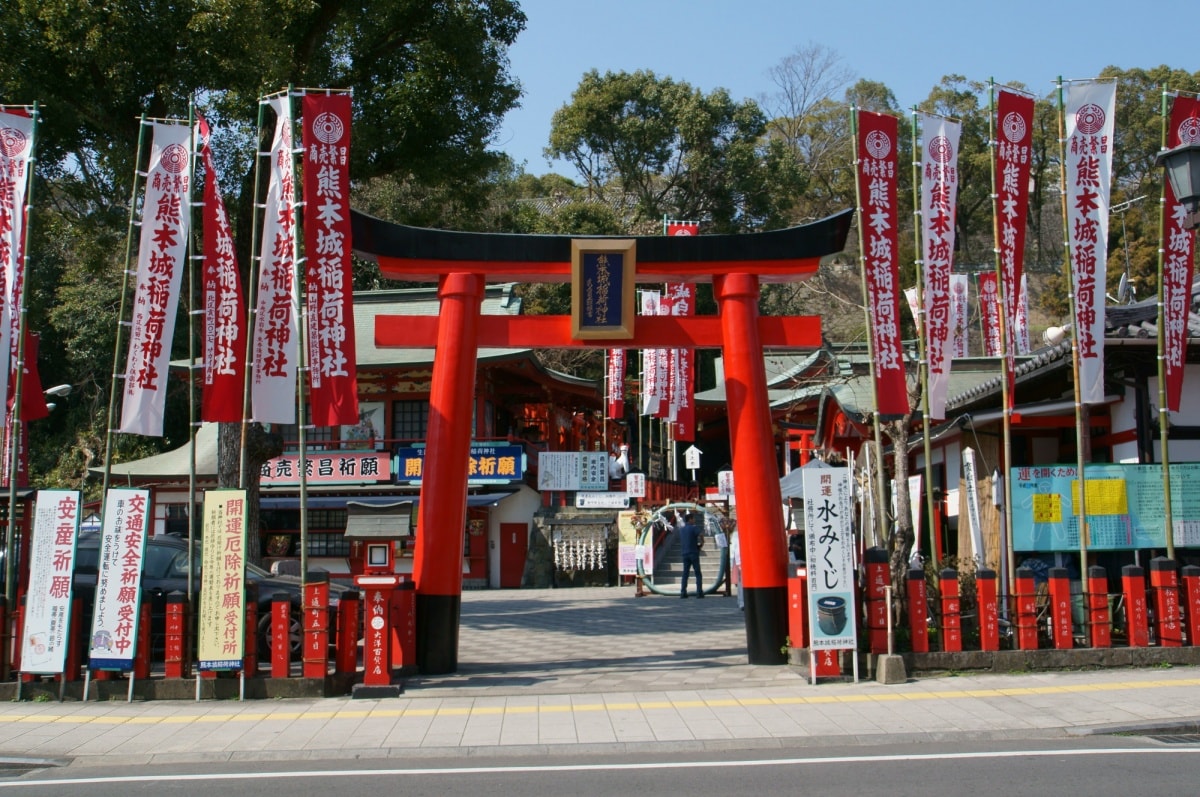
(251, 300)
(880, 530)
(117, 376)
(1080, 412)
(922, 358)
(302, 360)
(193, 369)
(12, 550)
(1009, 569)
(1163, 419)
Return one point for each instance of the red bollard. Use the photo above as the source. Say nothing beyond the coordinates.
(141, 657)
(346, 654)
(1191, 614)
(951, 610)
(316, 624)
(1025, 598)
(1164, 581)
(989, 614)
(1062, 631)
(1098, 617)
(250, 659)
(281, 649)
(176, 625)
(74, 667)
(5, 639)
(1133, 581)
(918, 611)
(18, 629)
(875, 561)
(798, 607)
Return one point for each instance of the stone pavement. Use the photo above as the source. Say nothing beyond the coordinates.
(598, 670)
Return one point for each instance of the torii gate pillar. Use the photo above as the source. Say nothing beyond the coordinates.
(755, 473)
(441, 512)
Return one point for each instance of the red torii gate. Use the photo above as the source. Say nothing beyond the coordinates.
(461, 263)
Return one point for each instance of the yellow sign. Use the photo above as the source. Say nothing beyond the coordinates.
(1047, 508)
(222, 612)
(1104, 496)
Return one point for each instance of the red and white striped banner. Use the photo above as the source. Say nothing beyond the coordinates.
(989, 313)
(333, 376)
(162, 249)
(939, 200)
(616, 384)
(1178, 251)
(16, 157)
(1089, 150)
(277, 311)
(224, 305)
(683, 417)
(878, 217)
(960, 316)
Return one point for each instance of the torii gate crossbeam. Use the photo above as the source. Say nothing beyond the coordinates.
(461, 263)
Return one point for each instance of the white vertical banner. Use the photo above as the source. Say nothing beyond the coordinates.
(1088, 172)
(829, 543)
(45, 635)
(650, 372)
(277, 312)
(939, 198)
(914, 510)
(1023, 316)
(162, 250)
(113, 641)
(960, 315)
(971, 480)
(16, 159)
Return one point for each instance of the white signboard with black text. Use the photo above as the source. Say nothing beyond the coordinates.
(829, 543)
(46, 633)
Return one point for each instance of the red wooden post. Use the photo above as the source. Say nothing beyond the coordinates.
(316, 624)
(1164, 581)
(281, 649)
(176, 625)
(141, 657)
(74, 668)
(876, 562)
(6, 639)
(1137, 624)
(1025, 598)
(1191, 614)
(404, 625)
(828, 665)
(18, 635)
(1098, 617)
(346, 653)
(250, 632)
(1060, 609)
(798, 607)
(918, 611)
(951, 610)
(989, 615)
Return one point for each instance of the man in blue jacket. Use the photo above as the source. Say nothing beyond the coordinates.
(691, 540)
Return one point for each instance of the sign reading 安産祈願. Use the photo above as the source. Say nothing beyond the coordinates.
(602, 288)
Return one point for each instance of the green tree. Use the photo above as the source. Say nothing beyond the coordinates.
(674, 150)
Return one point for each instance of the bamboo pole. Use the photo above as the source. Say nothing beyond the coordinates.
(1164, 423)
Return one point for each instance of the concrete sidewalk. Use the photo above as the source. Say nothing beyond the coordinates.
(590, 670)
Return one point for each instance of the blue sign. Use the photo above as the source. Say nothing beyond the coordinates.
(490, 464)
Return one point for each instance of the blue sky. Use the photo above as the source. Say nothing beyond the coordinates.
(732, 44)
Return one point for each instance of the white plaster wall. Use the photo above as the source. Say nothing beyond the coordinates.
(517, 508)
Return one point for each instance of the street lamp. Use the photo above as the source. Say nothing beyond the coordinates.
(1182, 165)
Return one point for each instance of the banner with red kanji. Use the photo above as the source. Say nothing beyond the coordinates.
(223, 303)
(616, 384)
(16, 159)
(683, 409)
(878, 218)
(162, 249)
(1089, 150)
(1178, 246)
(277, 310)
(939, 198)
(333, 375)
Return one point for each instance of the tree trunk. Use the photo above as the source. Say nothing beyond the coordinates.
(261, 447)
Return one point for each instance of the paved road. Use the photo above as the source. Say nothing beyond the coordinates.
(596, 670)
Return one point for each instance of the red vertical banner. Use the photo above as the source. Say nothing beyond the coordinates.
(224, 304)
(616, 384)
(333, 376)
(1178, 247)
(1014, 144)
(878, 220)
(989, 314)
(664, 363)
(683, 422)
